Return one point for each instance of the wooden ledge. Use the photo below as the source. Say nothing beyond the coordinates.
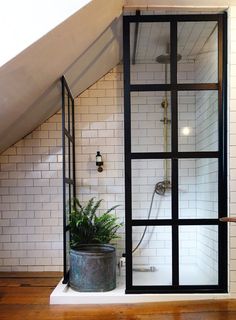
(228, 219)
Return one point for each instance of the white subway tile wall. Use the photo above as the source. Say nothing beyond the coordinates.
(145, 175)
(206, 70)
(31, 202)
(232, 143)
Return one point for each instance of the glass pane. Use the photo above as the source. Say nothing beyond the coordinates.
(71, 118)
(198, 120)
(150, 121)
(152, 260)
(68, 203)
(71, 161)
(71, 193)
(66, 157)
(70, 114)
(68, 250)
(150, 61)
(198, 255)
(66, 110)
(151, 189)
(197, 52)
(198, 188)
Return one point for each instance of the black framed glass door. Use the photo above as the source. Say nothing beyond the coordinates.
(69, 183)
(175, 153)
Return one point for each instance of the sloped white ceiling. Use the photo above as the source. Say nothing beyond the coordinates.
(84, 48)
(103, 54)
(21, 22)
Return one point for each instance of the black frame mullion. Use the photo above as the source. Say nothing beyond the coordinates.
(69, 153)
(170, 289)
(73, 147)
(181, 155)
(172, 222)
(174, 160)
(168, 18)
(222, 176)
(174, 86)
(174, 155)
(68, 134)
(127, 142)
(65, 273)
(69, 181)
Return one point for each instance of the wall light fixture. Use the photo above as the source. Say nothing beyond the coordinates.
(99, 162)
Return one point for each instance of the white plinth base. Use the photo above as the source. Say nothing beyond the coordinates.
(63, 294)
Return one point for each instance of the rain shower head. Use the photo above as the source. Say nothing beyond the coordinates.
(165, 58)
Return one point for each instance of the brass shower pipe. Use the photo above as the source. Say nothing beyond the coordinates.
(166, 122)
(165, 127)
(165, 59)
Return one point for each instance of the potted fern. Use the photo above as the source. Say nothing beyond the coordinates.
(92, 258)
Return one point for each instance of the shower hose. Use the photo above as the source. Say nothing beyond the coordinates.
(149, 215)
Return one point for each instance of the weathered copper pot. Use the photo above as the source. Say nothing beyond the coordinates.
(93, 268)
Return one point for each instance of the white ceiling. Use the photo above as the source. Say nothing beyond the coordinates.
(193, 38)
(153, 39)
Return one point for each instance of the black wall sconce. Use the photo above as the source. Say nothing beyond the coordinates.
(99, 162)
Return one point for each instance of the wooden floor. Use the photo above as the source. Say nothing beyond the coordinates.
(25, 296)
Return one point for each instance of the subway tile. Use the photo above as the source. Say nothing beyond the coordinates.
(107, 124)
(11, 262)
(27, 261)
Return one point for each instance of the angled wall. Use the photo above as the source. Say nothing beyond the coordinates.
(29, 86)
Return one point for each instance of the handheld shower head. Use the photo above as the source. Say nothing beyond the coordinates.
(162, 186)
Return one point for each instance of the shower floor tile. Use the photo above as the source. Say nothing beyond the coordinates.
(189, 275)
(63, 294)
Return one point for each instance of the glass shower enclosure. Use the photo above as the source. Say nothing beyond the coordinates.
(175, 153)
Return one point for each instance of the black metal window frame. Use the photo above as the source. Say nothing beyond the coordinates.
(174, 155)
(68, 168)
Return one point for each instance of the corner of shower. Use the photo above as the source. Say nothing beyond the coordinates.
(172, 163)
